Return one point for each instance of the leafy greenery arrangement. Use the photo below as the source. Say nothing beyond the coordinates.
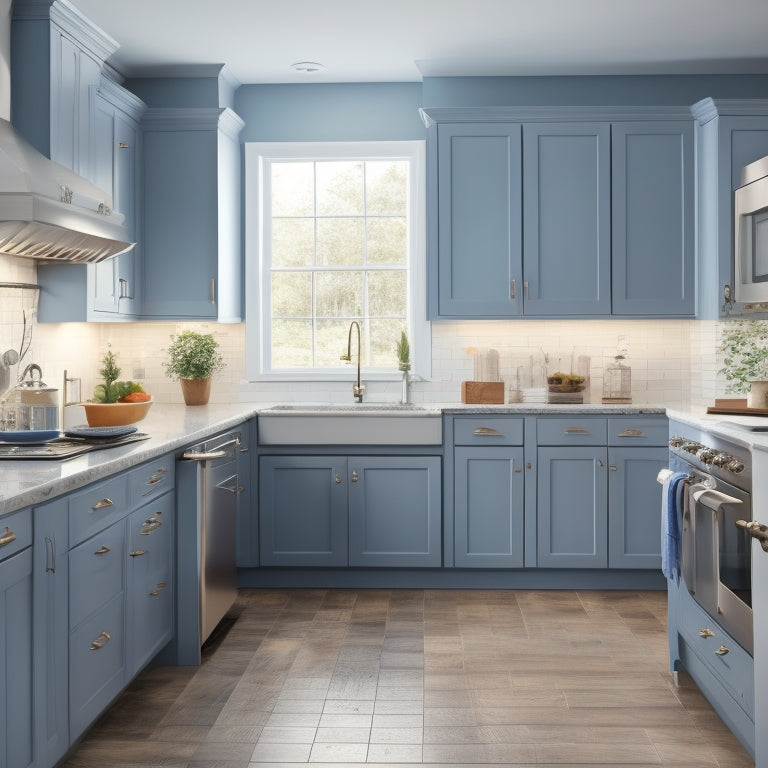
(193, 356)
(404, 352)
(745, 347)
(113, 390)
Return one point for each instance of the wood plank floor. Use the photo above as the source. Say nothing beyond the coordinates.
(438, 677)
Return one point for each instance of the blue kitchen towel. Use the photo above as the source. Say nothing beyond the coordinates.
(672, 500)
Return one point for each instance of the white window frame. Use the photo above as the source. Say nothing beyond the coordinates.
(256, 289)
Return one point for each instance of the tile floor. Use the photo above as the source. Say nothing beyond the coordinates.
(438, 677)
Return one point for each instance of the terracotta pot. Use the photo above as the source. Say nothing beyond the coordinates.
(196, 391)
(758, 394)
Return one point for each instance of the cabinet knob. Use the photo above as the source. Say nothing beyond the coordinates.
(337, 479)
(706, 633)
(354, 476)
(722, 650)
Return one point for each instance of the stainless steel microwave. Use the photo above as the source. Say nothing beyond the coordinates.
(750, 245)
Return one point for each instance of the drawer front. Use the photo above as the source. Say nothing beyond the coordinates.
(638, 430)
(96, 570)
(96, 507)
(150, 540)
(150, 480)
(492, 430)
(15, 533)
(577, 430)
(727, 660)
(96, 665)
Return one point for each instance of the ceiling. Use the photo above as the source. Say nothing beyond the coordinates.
(406, 40)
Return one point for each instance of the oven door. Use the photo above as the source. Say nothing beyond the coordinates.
(723, 562)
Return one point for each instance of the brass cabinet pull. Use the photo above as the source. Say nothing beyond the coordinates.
(722, 650)
(600, 463)
(512, 288)
(7, 537)
(576, 431)
(159, 587)
(706, 633)
(527, 290)
(354, 476)
(138, 552)
(122, 145)
(103, 551)
(103, 503)
(613, 468)
(149, 525)
(156, 478)
(50, 555)
(632, 433)
(488, 432)
(102, 639)
(213, 290)
(337, 479)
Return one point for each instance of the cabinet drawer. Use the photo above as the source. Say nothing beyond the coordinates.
(96, 665)
(578, 430)
(637, 430)
(15, 532)
(150, 480)
(735, 668)
(96, 572)
(97, 507)
(150, 539)
(493, 430)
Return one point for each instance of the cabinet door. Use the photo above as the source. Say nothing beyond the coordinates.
(572, 508)
(16, 680)
(51, 640)
(566, 219)
(478, 255)
(634, 507)
(303, 510)
(247, 507)
(150, 580)
(652, 215)
(395, 511)
(488, 512)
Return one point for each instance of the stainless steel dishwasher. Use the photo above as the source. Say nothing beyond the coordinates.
(209, 487)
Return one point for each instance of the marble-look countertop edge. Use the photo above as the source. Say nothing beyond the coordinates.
(26, 483)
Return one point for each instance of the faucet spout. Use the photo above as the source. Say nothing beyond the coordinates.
(358, 389)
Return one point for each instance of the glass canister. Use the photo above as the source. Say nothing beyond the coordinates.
(617, 381)
(30, 405)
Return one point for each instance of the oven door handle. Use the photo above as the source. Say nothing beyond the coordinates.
(713, 499)
(756, 530)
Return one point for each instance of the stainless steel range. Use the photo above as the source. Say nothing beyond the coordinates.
(66, 447)
(715, 543)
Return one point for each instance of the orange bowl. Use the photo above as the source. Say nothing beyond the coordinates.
(115, 414)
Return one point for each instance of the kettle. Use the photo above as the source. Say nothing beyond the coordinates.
(31, 404)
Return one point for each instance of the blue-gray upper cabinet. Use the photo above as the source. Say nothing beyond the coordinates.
(479, 218)
(57, 55)
(729, 135)
(17, 748)
(566, 219)
(652, 218)
(191, 215)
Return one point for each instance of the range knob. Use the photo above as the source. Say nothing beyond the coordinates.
(722, 460)
(705, 455)
(676, 441)
(735, 466)
(692, 447)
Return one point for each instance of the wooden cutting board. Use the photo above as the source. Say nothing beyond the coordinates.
(488, 392)
(736, 406)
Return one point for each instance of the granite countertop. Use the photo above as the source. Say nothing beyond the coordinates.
(25, 482)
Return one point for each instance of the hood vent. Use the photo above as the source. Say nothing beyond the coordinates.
(48, 212)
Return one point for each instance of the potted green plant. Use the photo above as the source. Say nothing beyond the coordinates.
(403, 349)
(744, 345)
(193, 359)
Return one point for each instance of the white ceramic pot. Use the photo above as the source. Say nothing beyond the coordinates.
(758, 394)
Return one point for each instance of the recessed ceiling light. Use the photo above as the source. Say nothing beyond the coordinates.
(307, 66)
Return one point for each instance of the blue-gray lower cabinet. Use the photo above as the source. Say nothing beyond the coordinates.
(395, 511)
(572, 507)
(16, 677)
(51, 640)
(247, 507)
(488, 507)
(634, 508)
(350, 510)
(303, 510)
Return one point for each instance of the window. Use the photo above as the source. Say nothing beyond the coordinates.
(334, 234)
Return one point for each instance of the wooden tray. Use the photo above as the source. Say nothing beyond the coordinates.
(735, 407)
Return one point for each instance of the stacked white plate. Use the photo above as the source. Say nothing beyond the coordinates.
(535, 395)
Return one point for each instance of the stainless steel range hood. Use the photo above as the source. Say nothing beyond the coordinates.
(47, 212)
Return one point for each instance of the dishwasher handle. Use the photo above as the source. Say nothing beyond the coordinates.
(220, 452)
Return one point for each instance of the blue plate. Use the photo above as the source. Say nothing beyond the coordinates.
(21, 436)
(106, 432)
